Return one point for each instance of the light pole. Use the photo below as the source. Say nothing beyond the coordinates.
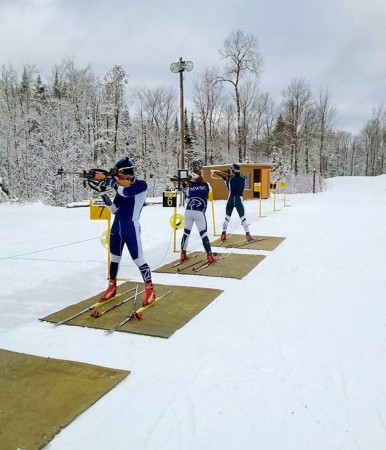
(180, 67)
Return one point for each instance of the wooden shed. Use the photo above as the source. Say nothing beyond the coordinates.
(253, 173)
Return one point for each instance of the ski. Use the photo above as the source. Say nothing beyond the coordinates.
(207, 264)
(189, 265)
(94, 306)
(242, 243)
(96, 313)
(223, 242)
(138, 314)
(178, 263)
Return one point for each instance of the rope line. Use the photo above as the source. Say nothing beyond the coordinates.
(47, 249)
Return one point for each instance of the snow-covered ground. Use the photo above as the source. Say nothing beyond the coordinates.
(292, 357)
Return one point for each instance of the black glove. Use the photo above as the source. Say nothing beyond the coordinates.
(106, 200)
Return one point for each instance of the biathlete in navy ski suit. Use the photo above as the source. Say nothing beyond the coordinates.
(235, 185)
(126, 229)
(196, 202)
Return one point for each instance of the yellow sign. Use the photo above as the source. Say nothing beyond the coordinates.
(256, 187)
(169, 199)
(98, 210)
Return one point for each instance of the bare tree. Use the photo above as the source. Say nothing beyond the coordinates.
(115, 82)
(156, 113)
(297, 100)
(262, 116)
(374, 138)
(208, 101)
(325, 113)
(242, 57)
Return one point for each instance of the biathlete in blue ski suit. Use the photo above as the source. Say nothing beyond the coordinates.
(126, 229)
(196, 202)
(235, 185)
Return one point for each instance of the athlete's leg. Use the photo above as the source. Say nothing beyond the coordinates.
(201, 224)
(241, 212)
(187, 229)
(228, 212)
(116, 247)
(132, 236)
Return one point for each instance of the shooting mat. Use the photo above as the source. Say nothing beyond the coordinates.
(40, 396)
(267, 243)
(161, 320)
(232, 266)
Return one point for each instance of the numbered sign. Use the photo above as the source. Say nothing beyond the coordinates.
(256, 187)
(169, 199)
(273, 184)
(98, 210)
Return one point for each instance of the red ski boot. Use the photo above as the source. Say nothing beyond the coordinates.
(248, 236)
(111, 290)
(223, 236)
(149, 294)
(183, 256)
(211, 258)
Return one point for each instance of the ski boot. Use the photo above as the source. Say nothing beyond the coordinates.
(248, 236)
(183, 256)
(211, 258)
(149, 294)
(223, 236)
(110, 291)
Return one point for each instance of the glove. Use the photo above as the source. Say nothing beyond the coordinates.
(106, 200)
(111, 182)
(98, 186)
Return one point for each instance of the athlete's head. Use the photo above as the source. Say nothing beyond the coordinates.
(124, 169)
(196, 176)
(235, 168)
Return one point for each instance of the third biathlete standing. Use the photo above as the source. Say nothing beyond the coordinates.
(235, 184)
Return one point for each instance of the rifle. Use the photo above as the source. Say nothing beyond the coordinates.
(225, 175)
(94, 177)
(180, 183)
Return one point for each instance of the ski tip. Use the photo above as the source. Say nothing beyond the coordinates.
(138, 315)
(95, 313)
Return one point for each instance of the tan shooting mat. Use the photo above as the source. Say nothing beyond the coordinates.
(40, 396)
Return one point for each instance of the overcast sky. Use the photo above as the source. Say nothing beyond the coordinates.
(341, 43)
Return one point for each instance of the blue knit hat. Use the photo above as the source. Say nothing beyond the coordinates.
(125, 166)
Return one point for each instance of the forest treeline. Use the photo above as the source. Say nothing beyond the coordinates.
(76, 120)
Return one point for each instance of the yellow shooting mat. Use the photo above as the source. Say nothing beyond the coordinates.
(161, 320)
(40, 396)
(228, 265)
(267, 243)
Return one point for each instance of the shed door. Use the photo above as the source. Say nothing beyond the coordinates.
(256, 179)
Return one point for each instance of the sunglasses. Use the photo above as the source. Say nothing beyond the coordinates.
(126, 171)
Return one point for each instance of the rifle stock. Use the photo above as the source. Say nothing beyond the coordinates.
(95, 176)
(220, 174)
